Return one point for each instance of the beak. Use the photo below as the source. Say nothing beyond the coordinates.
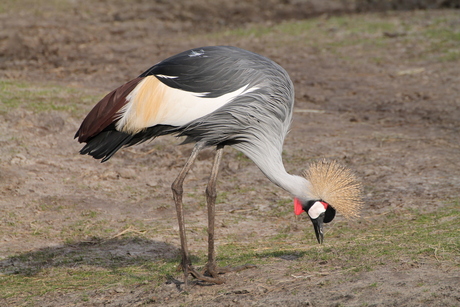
(318, 225)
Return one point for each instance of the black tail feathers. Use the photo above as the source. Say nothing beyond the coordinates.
(107, 143)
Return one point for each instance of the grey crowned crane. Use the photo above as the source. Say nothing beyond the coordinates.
(218, 96)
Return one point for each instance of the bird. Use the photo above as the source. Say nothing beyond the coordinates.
(217, 96)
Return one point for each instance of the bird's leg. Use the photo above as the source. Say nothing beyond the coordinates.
(211, 195)
(177, 189)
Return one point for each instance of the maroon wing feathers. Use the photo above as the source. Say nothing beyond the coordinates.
(104, 112)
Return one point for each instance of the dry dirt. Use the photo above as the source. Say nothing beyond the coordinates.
(396, 125)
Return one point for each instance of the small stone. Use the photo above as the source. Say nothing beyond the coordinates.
(110, 175)
(18, 159)
(152, 183)
(262, 289)
(127, 173)
(233, 166)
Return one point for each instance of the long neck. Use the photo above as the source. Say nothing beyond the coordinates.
(271, 164)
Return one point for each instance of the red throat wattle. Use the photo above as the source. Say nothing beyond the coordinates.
(297, 206)
(325, 204)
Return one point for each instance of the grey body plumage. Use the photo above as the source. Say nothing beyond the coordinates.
(223, 69)
(255, 123)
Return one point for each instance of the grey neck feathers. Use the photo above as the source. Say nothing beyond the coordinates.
(269, 160)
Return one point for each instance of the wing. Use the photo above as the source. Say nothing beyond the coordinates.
(210, 71)
(174, 92)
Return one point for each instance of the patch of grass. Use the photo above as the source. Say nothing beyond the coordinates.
(241, 157)
(297, 28)
(441, 33)
(222, 197)
(414, 36)
(37, 7)
(323, 34)
(397, 238)
(252, 32)
(85, 266)
(64, 279)
(281, 208)
(441, 39)
(85, 227)
(42, 98)
(235, 254)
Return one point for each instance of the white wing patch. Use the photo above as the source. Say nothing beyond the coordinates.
(194, 53)
(167, 77)
(153, 103)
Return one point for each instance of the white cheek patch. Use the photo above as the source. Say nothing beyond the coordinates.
(316, 210)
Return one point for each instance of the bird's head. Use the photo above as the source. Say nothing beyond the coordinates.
(332, 187)
(319, 212)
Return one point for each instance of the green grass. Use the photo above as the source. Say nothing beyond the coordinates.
(81, 266)
(379, 38)
(392, 239)
(40, 98)
(281, 208)
(395, 238)
(38, 8)
(402, 237)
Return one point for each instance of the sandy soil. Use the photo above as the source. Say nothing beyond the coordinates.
(396, 125)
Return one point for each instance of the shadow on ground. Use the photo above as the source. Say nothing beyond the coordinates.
(110, 254)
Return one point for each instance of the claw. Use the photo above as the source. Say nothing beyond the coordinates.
(202, 277)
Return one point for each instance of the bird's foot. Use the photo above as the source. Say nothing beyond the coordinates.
(210, 273)
(210, 277)
(201, 276)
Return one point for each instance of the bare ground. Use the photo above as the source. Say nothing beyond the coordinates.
(396, 124)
